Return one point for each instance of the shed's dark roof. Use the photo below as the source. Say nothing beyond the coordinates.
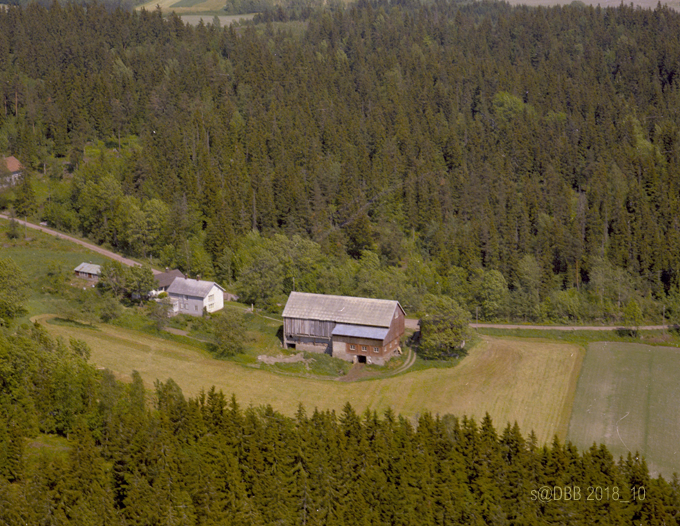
(192, 287)
(341, 309)
(360, 331)
(89, 268)
(165, 279)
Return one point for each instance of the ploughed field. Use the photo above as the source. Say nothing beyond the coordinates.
(527, 381)
(627, 398)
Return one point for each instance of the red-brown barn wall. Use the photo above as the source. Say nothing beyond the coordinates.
(396, 327)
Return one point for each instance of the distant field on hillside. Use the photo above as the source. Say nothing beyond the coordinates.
(205, 9)
(225, 20)
(647, 4)
(627, 398)
(530, 382)
(196, 7)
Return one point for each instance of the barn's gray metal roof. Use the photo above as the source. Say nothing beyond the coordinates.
(360, 331)
(192, 287)
(89, 268)
(341, 309)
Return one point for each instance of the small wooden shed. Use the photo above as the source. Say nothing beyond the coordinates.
(88, 271)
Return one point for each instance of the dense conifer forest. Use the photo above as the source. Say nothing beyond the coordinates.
(523, 161)
(163, 459)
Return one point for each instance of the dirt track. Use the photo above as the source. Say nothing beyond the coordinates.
(414, 324)
(90, 246)
(568, 327)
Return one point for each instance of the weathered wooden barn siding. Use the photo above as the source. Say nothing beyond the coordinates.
(315, 328)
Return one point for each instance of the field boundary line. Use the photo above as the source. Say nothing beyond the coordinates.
(568, 408)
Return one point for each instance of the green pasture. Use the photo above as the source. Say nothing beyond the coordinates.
(528, 382)
(37, 253)
(627, 398)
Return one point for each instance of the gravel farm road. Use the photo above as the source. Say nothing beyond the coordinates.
(90, 246)
(414, 324)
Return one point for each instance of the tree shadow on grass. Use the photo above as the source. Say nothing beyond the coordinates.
(71, 323)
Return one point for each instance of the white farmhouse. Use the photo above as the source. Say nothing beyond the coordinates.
(191, 296)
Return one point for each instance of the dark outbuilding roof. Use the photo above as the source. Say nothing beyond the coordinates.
(165, 279)
(341, 309)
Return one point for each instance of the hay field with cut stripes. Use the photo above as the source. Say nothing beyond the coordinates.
(527, 381)
(627, 398)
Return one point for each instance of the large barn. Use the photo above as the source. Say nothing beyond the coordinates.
(353, 329)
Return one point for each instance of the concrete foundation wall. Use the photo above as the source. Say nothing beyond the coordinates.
(340, 351)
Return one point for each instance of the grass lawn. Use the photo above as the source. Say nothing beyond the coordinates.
(526, 381)
(627, 399)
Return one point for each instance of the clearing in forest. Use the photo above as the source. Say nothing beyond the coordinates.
(627, 399)
(531, 382)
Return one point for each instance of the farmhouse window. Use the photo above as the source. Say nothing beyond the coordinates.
(195, 307)
(376, 349)
(352, 347)
(211, 298)
(211, 306)
(364, 348)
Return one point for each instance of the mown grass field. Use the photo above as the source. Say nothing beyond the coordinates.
(193, 10)
(627, 398)
(532, 383)
(225, 20)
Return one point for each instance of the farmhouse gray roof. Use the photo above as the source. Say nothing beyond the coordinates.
(192, 287)
(341, 309)
(89, 268)
(360, 331)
